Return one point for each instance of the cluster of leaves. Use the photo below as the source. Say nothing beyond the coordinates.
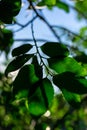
(6, 40)
(52, 3)
(31, 85)
(32, 91)
(10, 9)
(60, 115)
(83, 8)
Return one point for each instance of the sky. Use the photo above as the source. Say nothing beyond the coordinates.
(54, 17)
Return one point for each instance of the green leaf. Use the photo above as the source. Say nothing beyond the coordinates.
(81, 58)
(38, 68)
(47, 2)
(53, 49)
(21, 49)
(21, 94)
(48, 88)
(6, 40)
(25, 79)
(63, 6)
(8, 9)
(66, 64)
(73, 99)
(82, 7)
(16, 6)
(50, 2)
(17, 63)
(71, 82)
(41, 126)
(41, 3)
(41, 99)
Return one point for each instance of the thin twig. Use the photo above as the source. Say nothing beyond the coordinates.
(29, 40)
(69, 31)
(41, 86)
(46, 22)
(23, 26)
(38, 49)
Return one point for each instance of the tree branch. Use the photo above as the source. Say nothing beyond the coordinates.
(46, 22)
(30, 40)
(23, 26)
(69, 31)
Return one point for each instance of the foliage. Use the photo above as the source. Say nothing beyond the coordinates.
(29, 101)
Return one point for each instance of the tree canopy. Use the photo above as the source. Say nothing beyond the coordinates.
(40, 65)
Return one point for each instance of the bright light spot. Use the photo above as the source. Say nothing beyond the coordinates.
(23, 4)
(40, 7)
(1, 26)
(13, 74)
(48, 128)
(47, 114)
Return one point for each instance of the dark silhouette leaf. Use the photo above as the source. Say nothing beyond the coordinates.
(67, 64)
(71, 82)
(41, 126)
(21, 49)
(81, 58)
(53, 49)
(25, 79)
(17, 63)
(8, 9)
(38, 68)
(6, 40)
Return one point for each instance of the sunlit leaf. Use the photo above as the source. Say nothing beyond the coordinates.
(50, 2)
(81, 5)
(47, 3)
(17, 63)
(66, 64)
(71, 82)
(21, 94)
(53, 49)
(72, 98)
(40, 101)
